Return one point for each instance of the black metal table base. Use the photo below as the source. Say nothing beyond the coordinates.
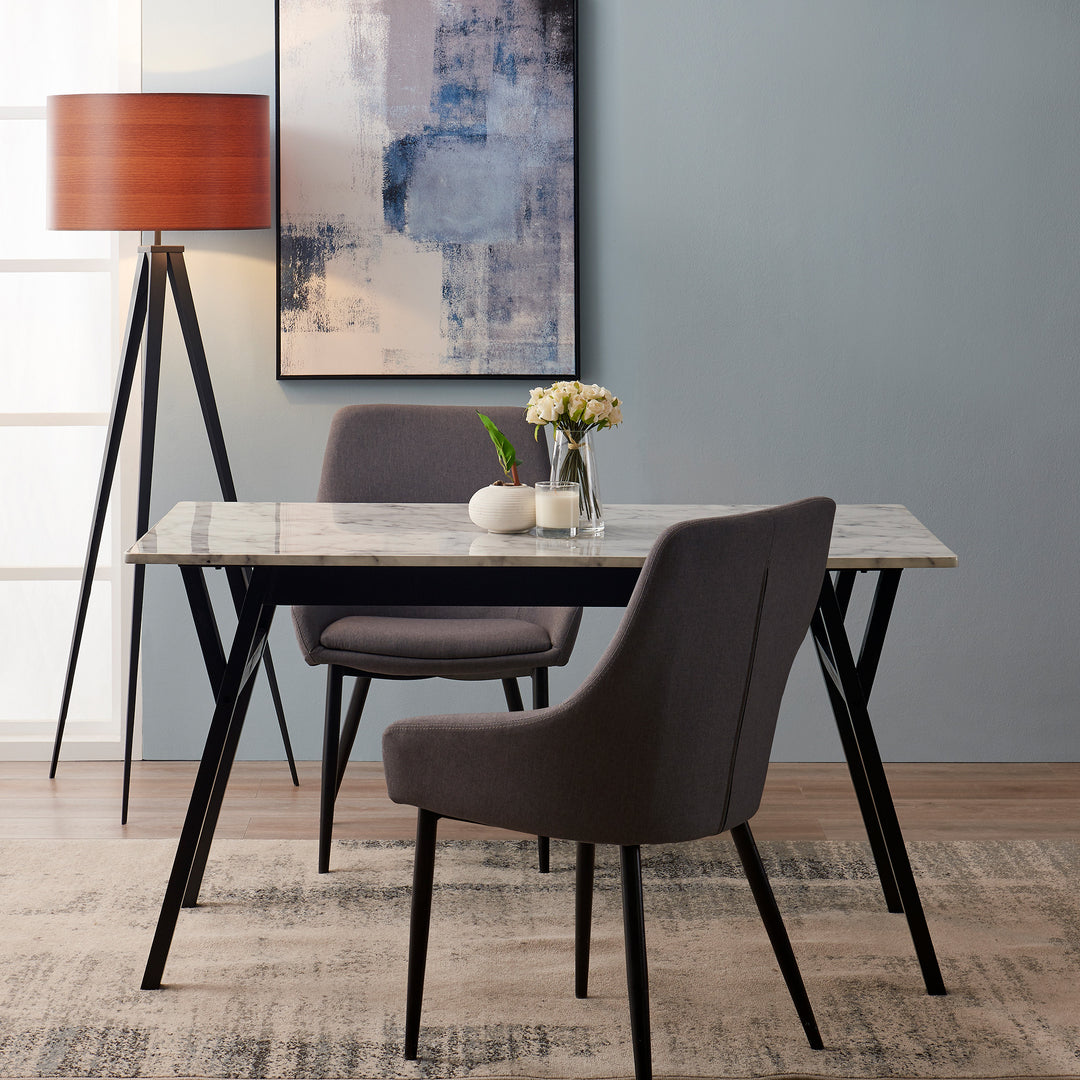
(848, 685)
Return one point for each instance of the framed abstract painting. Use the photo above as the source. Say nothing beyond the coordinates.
(427, 188)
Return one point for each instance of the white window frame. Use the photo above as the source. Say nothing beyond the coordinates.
(32, 739)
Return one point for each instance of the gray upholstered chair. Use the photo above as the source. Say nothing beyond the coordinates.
(423, 453)
(668, 740)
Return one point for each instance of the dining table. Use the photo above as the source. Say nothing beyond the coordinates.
(432, 554)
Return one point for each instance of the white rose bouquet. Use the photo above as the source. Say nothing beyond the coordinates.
(575, 409)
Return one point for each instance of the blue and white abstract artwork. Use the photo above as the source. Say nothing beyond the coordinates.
(427, 188)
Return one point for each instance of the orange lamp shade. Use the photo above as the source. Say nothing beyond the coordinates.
(158, 161)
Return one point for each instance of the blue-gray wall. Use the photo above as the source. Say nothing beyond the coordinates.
(827, 247)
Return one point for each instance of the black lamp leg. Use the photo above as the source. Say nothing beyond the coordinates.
(146, 311)
(200, 372)
(124, 380)
(151, 380)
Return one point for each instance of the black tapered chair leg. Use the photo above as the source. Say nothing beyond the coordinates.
(338, 739)
(543, 854)
(515, 704)
(540, 688)
(328, 790)
(351, 724)
(583, 901)
(540, 701)
(419, 926)
(512, 692)
(637, 968)
(774, 926)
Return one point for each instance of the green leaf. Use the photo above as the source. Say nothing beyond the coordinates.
(503, 446)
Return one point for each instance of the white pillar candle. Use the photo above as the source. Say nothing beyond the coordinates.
(556, 509)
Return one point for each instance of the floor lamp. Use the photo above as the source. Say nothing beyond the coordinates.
(154, 162)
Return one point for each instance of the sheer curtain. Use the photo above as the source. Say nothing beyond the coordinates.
(61, 316)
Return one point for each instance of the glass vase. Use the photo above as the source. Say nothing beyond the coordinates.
(572, 459)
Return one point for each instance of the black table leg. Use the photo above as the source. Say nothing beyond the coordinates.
(206, 628)
(848, 697)
(238, 578)
(224, 733)
(221, 780)
(860, 783)
(877, 624)
(849, 738)
(844, 584)
(202, 615)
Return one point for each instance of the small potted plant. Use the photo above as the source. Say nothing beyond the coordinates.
(503, 507)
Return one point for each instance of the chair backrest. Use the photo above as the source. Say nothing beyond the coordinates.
(423, 453)
(683, 705)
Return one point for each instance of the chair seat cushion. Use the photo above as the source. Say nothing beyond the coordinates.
(435, 639)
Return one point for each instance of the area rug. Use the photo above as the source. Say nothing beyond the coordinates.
(281, 972)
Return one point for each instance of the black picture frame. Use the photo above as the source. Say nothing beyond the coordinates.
(427, 221)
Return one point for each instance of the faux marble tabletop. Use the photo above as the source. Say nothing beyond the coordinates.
(865, 537)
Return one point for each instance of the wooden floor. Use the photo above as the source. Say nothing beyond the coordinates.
(801, 802)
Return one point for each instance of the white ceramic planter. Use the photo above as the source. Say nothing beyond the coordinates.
(504, 508)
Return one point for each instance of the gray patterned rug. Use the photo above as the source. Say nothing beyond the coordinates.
(283, 973)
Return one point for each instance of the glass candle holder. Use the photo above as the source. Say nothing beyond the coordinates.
(557, 509)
